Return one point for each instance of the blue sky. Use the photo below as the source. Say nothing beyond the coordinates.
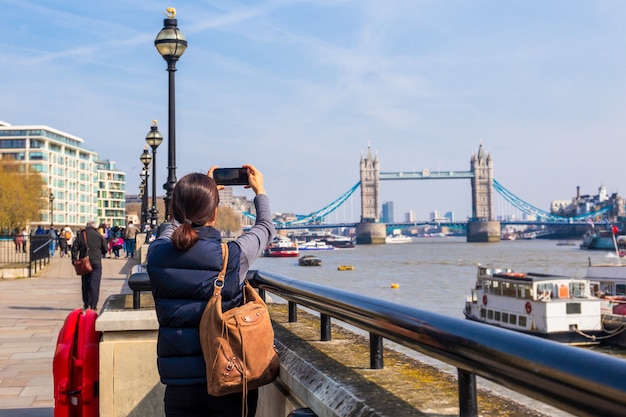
(300, 88)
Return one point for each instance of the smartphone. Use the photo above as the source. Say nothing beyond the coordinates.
(231, 176)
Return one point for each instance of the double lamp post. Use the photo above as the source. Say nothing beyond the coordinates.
(171, 44)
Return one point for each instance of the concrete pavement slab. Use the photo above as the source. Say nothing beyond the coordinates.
(32, 312)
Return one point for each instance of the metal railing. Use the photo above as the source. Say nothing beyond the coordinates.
(31, 253)
(579, 381)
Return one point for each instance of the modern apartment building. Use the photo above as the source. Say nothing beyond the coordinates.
(71, 172)
(111, 194)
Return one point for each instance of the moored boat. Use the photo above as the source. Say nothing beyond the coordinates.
(309, 260)
(608, 281)
(554, 307)
(603, 240)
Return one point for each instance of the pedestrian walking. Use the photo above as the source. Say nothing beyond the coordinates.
(18, 239)
(54, 240)
(90, 283)
(131, 239)
(24, 239)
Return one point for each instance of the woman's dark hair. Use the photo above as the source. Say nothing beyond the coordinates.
(194, 201)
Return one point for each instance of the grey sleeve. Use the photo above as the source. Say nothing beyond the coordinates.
(254, 241)
(169, 229)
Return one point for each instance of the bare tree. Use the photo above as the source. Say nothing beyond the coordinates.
(228, 221)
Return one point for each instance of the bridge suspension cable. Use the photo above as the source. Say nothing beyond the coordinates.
(541, 214)
(323, 212)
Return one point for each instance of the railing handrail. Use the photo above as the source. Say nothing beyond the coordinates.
(579, 381)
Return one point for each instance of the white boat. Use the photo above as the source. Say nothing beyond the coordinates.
(608, 281)
(398, 239)
(314, 245)
(282, 248)
(554, 307)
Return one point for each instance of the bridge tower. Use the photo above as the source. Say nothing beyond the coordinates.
(370, 230)
(482, 227)
(481, 165)
(370, 186)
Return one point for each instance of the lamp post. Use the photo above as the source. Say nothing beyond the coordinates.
(171, 44)
(154, 139)
(145, 159)
(51, 200)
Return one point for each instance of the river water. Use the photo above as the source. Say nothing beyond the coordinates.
(436, 274)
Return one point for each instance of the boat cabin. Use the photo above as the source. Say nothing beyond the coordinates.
(535, 303)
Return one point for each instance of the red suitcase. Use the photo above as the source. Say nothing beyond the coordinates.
(75, 366)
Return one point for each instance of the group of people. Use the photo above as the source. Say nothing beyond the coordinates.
(62, 239)
(120, 238)
(20, 238)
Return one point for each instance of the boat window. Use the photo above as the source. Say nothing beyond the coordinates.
(496, 316)
(483, 313)
(522, 321)
(620, 289)
(525, 291)
(487, 285)
(577, 289)
(505, 317)
(495, 288)
(513, 319)
(572, 308)
(490, 314)
(508, 289)
(544, 290)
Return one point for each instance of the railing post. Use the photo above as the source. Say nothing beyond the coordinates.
(293, 312)
(376, 351)
(324, 327)
(468, 405)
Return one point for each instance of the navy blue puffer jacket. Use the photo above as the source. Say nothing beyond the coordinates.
(182, 283)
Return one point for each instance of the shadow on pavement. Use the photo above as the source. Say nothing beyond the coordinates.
(27, 412)
(38, 308)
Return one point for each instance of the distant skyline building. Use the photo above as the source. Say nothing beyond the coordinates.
(387, 216)
(409, 216)
(71, 173)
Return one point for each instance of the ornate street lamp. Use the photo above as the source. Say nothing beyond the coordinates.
(51, 200)
(145, 159)
(154, 139)
(171, 44)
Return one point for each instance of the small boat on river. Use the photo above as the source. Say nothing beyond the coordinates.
(345, 268)
(282, 248)
(391, 239)
(554, 307)
(315, 245)
(309, 260)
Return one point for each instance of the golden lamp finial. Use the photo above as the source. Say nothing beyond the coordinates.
(170, 12)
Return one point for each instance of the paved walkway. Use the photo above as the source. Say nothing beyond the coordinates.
(32, 311)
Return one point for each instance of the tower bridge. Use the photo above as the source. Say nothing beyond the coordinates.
(480, 228)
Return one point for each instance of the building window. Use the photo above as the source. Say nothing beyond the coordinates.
(12, 143)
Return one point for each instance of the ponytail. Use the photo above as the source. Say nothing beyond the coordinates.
(184, 237)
